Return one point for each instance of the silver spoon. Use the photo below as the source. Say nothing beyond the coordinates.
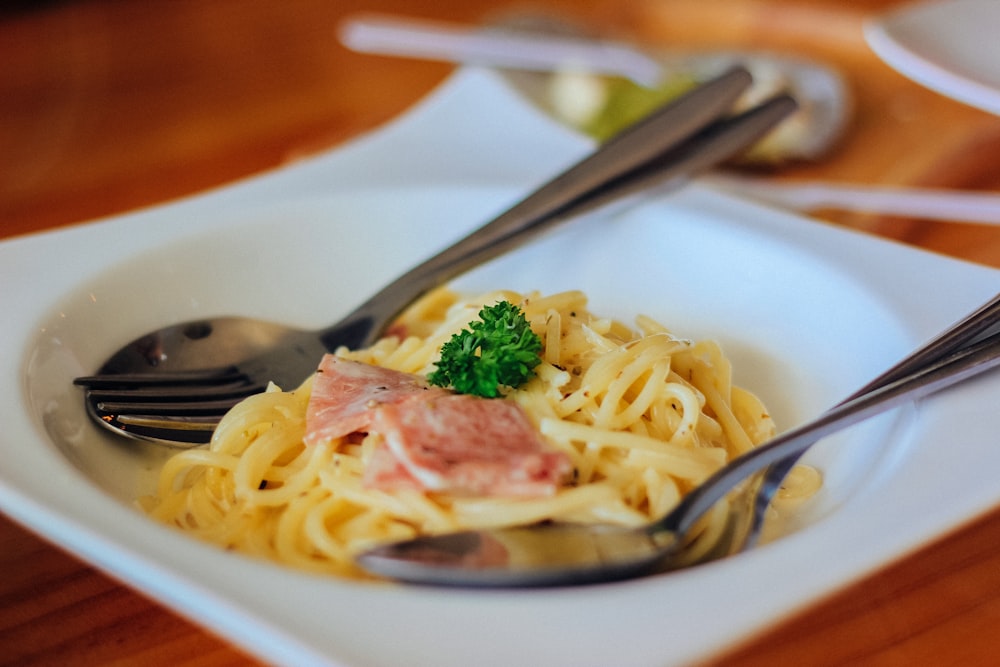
(565, 554)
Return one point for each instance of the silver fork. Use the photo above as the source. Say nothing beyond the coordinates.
(173, 385)
(983, 321)
(556, 553)
(756, 495)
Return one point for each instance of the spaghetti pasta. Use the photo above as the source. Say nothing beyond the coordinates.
(643, 416)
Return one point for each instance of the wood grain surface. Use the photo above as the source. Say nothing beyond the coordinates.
(108, 106)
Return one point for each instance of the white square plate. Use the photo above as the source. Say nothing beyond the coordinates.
(808, 312)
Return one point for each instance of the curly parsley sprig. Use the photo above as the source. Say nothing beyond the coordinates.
(499, 350)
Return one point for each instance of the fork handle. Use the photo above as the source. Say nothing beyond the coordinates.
(677, 141)
(965, 362)
(669, 169)
(978, 324)
(636, 145)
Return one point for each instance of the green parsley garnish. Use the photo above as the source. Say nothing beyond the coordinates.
(498, 350)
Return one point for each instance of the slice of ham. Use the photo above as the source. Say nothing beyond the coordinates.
(384, 472)
(468, 445)
(346, 393)
(433, 440)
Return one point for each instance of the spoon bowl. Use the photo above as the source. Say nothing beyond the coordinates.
(556, 554)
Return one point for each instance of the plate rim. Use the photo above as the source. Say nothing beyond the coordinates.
(89, 539)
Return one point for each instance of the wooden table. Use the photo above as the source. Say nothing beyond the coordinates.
(108, 106)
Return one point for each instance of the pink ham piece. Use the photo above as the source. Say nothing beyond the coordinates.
(467, 445)
(345, 394)
(433, 440)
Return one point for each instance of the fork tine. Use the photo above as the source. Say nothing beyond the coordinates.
(193, 377)
(175, 392)
(172, 431)
(172, 423)
(179, 409)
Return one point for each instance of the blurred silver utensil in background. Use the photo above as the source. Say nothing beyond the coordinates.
(570, 77)
(600, 86)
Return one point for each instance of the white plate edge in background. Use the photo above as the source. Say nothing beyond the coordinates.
(906, 38)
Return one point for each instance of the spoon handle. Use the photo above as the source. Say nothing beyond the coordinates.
(965, 361)
(682, 139)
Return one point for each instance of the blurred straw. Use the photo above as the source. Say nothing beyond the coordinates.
(919, 203)
(495, 47)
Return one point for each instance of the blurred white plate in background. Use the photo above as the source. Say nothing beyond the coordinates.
(949, 46)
